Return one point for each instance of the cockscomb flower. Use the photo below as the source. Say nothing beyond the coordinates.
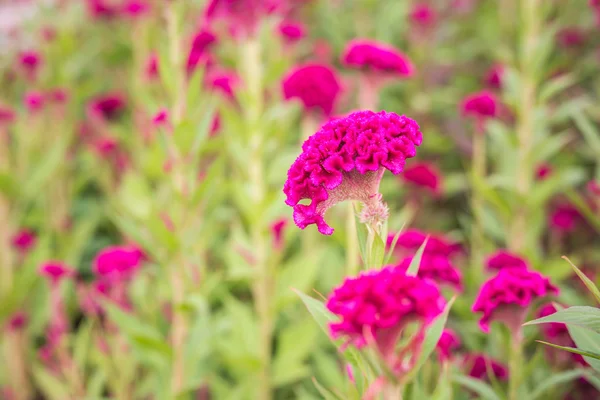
(543, 171)
(118, 262)
(315, 85)
(423, 175)
(242, 16)
(507, 297)
(102, 9)
(448, 343)
(135, 8)
(481, 105)
(292, 31)
(7, 116)
(437, 268)
(377, 57)
(108, 106)
(481, 367)
(58, 95)
(55, 271)
(593, 187)
(423, 15)
(345, 160)
(151, 68)
(380, 303)
(277, 230)
(161, 118)
(493, 78)
(503, 259)
(570, 37)
(201, 43)
(34, 101)
(224, 82)
(30, 61)
(24, 240)
(17, 321)
(564, 218)
(412, 239)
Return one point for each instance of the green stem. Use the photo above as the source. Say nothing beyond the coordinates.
(515, 364)
(478, 175)
(352, 251)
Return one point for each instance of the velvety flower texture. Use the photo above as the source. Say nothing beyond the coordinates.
(292, 31)
(382, 302)
(345, 160)
(377, 57)
(437, 268)
(316, 85)
(448, 343)
(510, 290)
(482, 366)
(55, 271)
(118, 262)
(502, 259)
(424, 175)
(412, 239)
(480, 105)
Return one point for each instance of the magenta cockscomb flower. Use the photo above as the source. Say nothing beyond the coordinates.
(277, 231)
(507, 297)
(102, 9)
(493, 78)
(7, 116)
(24, 240)
(345, 160)
(593, 187)
(449, 342)
(242, 16)
(377, 57)
(17, 321)
(424, 175)
(379, 304)
(437, 268)
(55, 271)
(481, 366)
(224, 82)
(423, 15)
(315, 85)
(291, 31)
(570, 37)
(58, 95)
(30, 62)
(135, 8)
(412, 239)
(543, 171)
(503, 259)
(151, 67)
(108, 106)
(34, 101)
(202, 41)
(481, 105)
(118, 262)
(161, 118)
(564, 218)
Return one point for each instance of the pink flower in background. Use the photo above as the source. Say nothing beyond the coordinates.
(201, 43)
(291, 31)
(507, 296)
(109, 149)
(493, 78)
(345, 160)
(17, 321)
(135, 8)
(437, 268)
(24, 240)
(161, 118)
(242, 16)
(481, 366)
(481, 105)
(215, 126)
(502, 259)
(102, 9)
(277, 231)
(564, 218)
(448, 343)
(377, 57)
(410, 240)
(108, 106)
(58, 96)
(55, 271)
(593, 188)
(315, 85)
(151, 68)
(34, 101)
(543, 171)
(381, 303)
(30, 61)
(118, 262)
(423, 175)
(224, 82)
(7, 116)
(570, 37)
(423, 15)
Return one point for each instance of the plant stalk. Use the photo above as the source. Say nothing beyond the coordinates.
(479, 170)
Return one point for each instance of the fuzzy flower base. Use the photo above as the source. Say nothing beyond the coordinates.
(345, 160)
(380, 303)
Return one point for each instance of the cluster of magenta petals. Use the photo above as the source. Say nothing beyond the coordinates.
(511, 287)
(361, 142)
(375, 56)
(381, 301)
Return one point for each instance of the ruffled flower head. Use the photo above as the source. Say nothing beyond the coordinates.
(507, 296)
(345, 160)
(55, 271)
(424, 175)
(437, 268)
(315, 85)
(381, 303)
(292, 31)
(118, 262)
(448, 343)
(412, 239)
(423, 15)
(482, 366)
(503, 259)
(377, 57)
(201, 43)
(108, 106)
(481, 105)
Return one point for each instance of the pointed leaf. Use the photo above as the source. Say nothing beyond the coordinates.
(413, 268)
(557, 379)
(583, 316)
(574, 350)
(483, 390)
(588, 283)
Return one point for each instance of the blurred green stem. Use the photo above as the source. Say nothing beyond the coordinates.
(515, 363)
(479, 172)
(530, 14)
(352, 252)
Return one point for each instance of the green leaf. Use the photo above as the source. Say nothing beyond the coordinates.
(326, 393)
(586, 340)
(8, 185)
(588, 283)
(590, 133)
(478, 386)
(555, 86)
(293, 373)
(135, 196)
(413, 268)
(574, 350)
(361, 231)
(81, 345)
(377, 253)
(392, 246)
(44, 169)
(317, 309)
(583, 316)
(50, 385)
(560, 378)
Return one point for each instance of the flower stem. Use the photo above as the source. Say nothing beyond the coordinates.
(478, 175)
(352, 252)
(514, 365)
